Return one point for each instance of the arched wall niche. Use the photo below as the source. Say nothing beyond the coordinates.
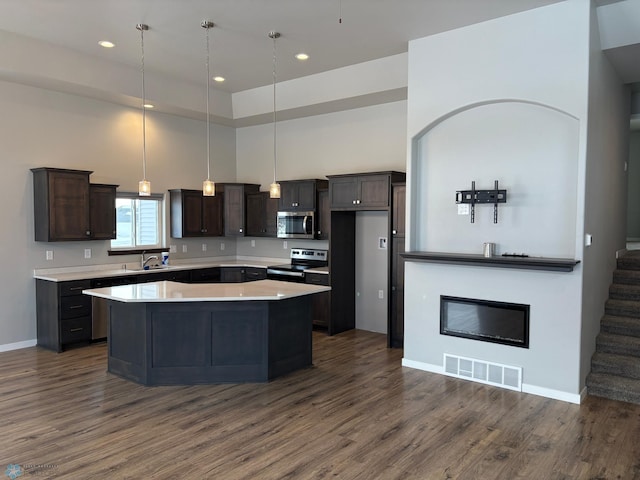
(530, 148)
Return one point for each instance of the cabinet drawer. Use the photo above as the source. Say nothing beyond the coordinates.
(75, 306)
(75, 330)
(317, 279)
(74, 288)
(252, 274)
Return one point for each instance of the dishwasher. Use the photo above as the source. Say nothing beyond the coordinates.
(100, 306)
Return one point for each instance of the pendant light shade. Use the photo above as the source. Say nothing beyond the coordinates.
(144, 186)
(208, 186)
(274, 188)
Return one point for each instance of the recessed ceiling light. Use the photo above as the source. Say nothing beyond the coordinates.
(148, 105)
(218, 78)
(106, 44)
(302, 56)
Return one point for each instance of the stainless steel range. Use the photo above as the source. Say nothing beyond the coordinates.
(301, 259)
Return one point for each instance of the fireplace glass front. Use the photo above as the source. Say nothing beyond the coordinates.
(485, 320)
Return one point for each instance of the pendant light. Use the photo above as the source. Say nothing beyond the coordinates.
(274, 188)
(144, 186)
(208, 186)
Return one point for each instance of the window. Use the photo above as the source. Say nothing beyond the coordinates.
(138, 221)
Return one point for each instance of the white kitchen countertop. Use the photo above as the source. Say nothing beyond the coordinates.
(166, 291)
(103, 271)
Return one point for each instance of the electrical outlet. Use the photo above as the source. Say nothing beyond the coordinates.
(87, 253)
(173, 249)
(49, 255)
(463, 209)
(284, 244)
(184, 249)
(204, 247)
(380, 293)
(222, 246)
(253, 243)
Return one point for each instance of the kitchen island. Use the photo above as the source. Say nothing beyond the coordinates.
(169, 333)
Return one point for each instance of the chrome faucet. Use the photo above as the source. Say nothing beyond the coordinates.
(144, 262)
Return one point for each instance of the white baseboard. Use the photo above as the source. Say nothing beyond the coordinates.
(18, 345)
(526, 388)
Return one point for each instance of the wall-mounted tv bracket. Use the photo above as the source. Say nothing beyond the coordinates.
(474, 196)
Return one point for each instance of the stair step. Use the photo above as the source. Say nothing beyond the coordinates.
(626, 277)
(619, 291)
(620, 325)
(614, 387)
(619, 365)
(618, 344)
(630, 261)
(622, 308)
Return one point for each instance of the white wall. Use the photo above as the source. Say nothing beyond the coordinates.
(44, 128)
(372, 272)
(361, 140)
(537, 57)
(605, 190)
(633, 178)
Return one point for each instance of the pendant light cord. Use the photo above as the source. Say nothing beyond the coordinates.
(206, 26)
(274, 35)
(142, 28)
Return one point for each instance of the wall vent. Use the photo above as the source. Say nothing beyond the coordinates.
(504, 376)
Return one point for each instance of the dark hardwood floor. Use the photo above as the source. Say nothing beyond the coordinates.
(357, 414)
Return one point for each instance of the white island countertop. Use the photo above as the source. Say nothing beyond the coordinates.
(166, 291)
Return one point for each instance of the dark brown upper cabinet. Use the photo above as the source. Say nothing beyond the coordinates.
(299, 195)
(262, 213)
(68, 208)
(102, 202)
(364, 191)
(235, 215)
(194, 215)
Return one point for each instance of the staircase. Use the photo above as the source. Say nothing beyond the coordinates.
(615, 366)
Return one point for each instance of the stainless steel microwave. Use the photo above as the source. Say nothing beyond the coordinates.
(296, 224)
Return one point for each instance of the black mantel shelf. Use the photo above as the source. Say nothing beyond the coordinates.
(523, 263)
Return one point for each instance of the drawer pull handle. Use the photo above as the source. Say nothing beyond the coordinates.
(79, 329)
(76, 288)
(72, 307)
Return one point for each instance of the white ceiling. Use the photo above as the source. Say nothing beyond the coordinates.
(241, 50)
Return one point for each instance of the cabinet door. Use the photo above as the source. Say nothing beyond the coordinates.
(271, 216)
(343, 192)
(324, 215)
(398, 210)
(306, 196)
(103, 211)
(288, 196)
(256, 215)
(234, 214)
(61, 201)
(192, 214)
(396, 330)
(232, 274)
(373, 191)
(212, 224)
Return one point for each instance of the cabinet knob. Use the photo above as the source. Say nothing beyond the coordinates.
(87, 233)
(319, 232)
(358, 202)
(240, 230)
(394, 231)
(354, 202)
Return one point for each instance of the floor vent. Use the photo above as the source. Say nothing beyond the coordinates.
(504, 376)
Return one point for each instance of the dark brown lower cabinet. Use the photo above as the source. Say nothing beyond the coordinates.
(320, 302)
